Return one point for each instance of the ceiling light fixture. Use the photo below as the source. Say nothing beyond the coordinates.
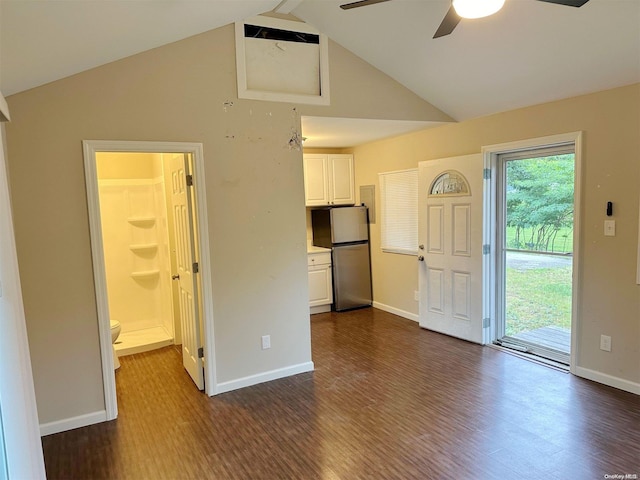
(477, 8)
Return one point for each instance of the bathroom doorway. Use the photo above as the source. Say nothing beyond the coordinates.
(139, 249)
(150, 253)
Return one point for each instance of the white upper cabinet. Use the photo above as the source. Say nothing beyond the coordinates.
(341, 189)
(316, 180)
(328, 180)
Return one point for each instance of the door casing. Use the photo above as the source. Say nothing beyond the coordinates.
(90, 148)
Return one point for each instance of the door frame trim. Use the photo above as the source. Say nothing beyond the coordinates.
(490, 261)
(90, 148)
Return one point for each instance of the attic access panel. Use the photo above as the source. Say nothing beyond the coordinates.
(282, 61)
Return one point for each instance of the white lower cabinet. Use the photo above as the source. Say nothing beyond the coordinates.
(320, 282)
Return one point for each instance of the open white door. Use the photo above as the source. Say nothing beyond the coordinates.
(185, 247)
(450, 239)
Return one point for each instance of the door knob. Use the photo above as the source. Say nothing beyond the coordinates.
(421, 258)
(175, 277)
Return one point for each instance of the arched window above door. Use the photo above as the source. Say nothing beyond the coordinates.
(450, 183)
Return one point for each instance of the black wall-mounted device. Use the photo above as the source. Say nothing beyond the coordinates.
(609, 209)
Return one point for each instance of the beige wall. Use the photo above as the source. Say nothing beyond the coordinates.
(357, 92)
(255, 202)
(609, 296)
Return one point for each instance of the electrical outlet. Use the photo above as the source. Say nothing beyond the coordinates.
(605, 343)
(266, 342)
(416, 295)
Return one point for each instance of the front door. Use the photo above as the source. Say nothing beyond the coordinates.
(181, 203)
(450, 193)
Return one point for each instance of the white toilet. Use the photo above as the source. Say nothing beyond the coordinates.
(115, 333)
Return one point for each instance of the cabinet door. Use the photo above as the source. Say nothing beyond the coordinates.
(341, 189)
(316, 180)
(320, 287)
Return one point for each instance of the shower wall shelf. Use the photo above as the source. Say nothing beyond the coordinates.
(140, 247)
(145, 274)
(142, 221)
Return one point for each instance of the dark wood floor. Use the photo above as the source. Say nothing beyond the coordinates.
(387, 401)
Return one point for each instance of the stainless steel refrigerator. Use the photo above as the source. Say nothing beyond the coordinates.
(346, 231)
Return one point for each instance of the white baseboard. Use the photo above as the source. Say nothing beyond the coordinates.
(609, 380)
(71, 423)
(263, 377)
(319, 309)
(396, 311)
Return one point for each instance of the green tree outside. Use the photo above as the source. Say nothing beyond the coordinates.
(540, 204)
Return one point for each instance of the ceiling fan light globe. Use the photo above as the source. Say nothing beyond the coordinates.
(477, 8)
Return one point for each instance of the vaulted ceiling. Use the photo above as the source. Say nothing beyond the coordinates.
(530, 52)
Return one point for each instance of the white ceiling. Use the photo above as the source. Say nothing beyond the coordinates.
(530, 52)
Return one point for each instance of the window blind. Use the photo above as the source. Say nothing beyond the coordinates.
(399, 211)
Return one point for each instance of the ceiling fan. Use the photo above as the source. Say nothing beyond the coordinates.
(460, 9)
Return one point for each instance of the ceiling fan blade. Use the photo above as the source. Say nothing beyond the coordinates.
(568, 3)
(361, 3)
(451, 19)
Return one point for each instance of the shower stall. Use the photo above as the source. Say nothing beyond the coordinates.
(137, 240)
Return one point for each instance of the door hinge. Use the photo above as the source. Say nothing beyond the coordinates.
(196, 268)
(486, 322)
(486, 173)
(189, 180)
(201, 352)
(486, 249)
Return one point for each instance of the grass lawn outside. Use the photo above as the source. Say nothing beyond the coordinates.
(537, 297)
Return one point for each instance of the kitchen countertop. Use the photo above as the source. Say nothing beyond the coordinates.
(314, 249)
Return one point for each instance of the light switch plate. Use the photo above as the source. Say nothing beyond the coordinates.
(609, 228)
